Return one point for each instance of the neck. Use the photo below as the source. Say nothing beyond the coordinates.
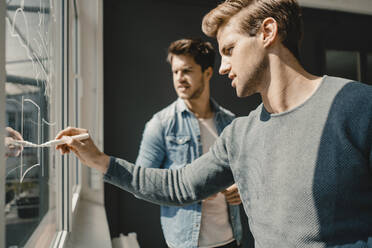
(287, 84)
(201, 106)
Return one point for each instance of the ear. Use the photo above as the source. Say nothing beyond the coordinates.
(269, 31)
(208, 72)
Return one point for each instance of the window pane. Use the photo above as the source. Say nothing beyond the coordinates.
(342, 64)
(29, 94)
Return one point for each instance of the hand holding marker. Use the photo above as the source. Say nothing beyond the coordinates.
(50, 143)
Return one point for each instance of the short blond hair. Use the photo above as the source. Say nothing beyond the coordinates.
(287, 14)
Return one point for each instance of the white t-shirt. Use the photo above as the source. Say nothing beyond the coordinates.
(215, 228)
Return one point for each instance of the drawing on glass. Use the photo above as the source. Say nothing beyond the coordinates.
(30, 51)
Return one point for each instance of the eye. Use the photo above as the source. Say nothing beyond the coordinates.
(229, 50)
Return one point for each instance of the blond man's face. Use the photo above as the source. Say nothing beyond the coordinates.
(244, 59)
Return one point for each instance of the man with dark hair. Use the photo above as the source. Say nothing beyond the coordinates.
(183, 131)
(302, 160)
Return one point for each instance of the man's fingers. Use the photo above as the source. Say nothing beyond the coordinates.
(233, 189)
(71, 145)
(62, 133)
(231, 196)
(61, 147)
(230, 193)
(74, 143)
(58, 147)
(65, 150)
(17, 135)
(70, 131)
(74, 150)
(13, 133)
(234, 202)
(233, 199)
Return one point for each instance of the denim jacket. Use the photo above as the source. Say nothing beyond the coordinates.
(171, 140)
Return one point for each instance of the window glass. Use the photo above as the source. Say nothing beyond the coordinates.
(30, 27)
(343, 64)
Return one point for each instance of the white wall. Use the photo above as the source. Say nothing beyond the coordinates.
(91, 54)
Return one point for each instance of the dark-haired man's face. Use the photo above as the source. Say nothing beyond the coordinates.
(188, 79)
(243, 59)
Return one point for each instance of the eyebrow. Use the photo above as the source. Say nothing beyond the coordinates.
(183, 68)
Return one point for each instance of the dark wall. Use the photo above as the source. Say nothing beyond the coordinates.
(138, 83)
(333, 30)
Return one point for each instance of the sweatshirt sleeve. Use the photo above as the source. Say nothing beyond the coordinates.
(205, 176)
(362, 120)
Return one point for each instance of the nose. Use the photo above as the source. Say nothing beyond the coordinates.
(179, 76)
(225, 66)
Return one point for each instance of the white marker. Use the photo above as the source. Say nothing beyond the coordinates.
(55, 142)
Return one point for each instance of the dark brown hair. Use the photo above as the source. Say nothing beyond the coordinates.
(202, 51)
(287, 14)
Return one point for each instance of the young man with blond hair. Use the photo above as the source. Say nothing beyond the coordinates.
(182, 132)
(302, 160)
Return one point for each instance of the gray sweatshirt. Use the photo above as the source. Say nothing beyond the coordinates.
(304, 176)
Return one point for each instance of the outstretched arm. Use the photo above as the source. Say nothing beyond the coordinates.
(207, 175)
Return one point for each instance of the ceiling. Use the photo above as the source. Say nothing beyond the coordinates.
(354, 6)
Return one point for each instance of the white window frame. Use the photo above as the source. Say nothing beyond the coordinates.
(2, 121)
(64, 172)
(76, 90)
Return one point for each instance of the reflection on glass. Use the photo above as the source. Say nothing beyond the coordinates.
(343, 64)
(369, 69)
(29, 69)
